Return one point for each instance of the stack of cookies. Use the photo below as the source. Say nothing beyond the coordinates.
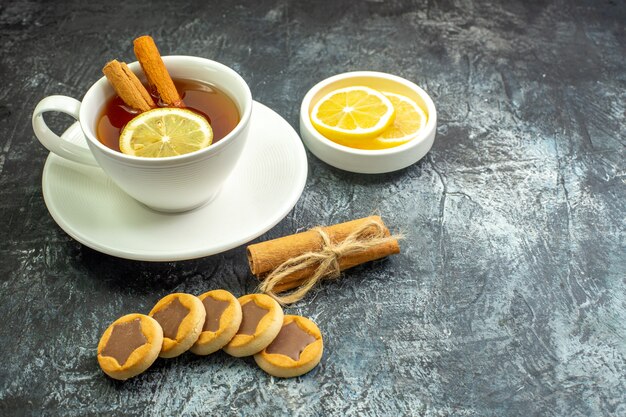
(282, 345)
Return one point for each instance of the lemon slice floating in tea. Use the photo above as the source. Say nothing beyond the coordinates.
(165, 132)
(410, 118)
(352, 114)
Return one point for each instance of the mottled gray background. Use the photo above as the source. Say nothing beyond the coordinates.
(509, 295)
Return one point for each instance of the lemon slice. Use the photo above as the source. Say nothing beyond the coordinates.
(165, 132)
(410, 119)
(352, 114)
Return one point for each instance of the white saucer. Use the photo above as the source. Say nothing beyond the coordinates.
(263, 188)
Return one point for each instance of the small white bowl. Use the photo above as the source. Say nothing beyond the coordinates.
(360, 160)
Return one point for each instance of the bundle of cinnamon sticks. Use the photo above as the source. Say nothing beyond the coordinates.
(129, 87)
(298, 262)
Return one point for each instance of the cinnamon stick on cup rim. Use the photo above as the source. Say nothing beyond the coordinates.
(127, 86)
(150, 59)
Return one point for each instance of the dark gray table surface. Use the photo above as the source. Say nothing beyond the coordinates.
(508, 297)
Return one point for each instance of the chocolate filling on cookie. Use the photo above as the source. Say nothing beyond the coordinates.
(170, 318)
(252, 315)
(291, 341)
(214, 310)
(124, 339)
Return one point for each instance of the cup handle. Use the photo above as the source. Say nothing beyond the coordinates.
(51, 140)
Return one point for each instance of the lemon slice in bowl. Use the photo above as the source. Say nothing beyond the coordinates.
(410, 119)
(164, 132)
(352, 114)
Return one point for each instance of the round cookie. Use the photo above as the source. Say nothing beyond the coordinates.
(296, 350)
(129, 346)
(181, 317)
(261, 322)
(223, 317)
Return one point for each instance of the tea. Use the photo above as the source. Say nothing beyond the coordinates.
(202, 98)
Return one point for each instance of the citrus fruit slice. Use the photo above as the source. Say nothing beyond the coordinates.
(410, 118)
(352, 114)
(165, 131)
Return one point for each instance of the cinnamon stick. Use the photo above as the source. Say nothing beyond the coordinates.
(264, 257)
(127, 86)
(154, 68)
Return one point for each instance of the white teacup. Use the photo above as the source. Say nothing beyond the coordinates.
(172, 184)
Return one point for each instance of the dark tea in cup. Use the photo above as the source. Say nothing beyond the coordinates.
(199, 97)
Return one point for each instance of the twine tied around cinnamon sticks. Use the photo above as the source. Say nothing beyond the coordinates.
(298, 262)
